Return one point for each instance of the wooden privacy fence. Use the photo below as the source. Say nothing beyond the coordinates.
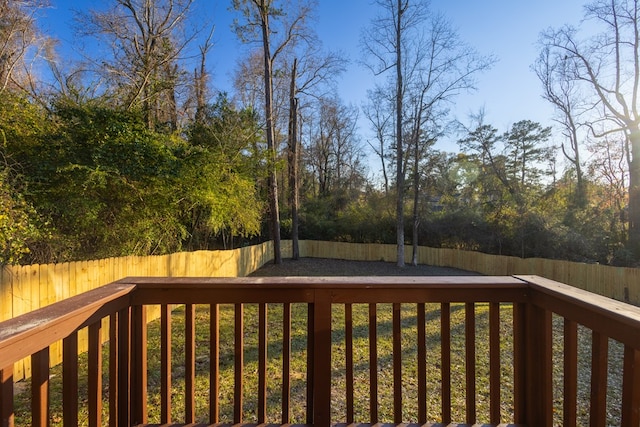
(619, 283)
(27, 288)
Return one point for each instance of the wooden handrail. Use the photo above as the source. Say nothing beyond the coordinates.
(25, 335)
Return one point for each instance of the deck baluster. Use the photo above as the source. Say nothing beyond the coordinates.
(95, 375)
(599, 367)
(190, 363)
(445, 362)
(40, 388)
(165, 363)
(494, 363)
(238, 363)
(373, 363)
(262, 362)
(214, 363)
(69, 380)
(6, 397)
(470, 361)
(570, 395)
(397, 362)
(422, 363)
(348, 341)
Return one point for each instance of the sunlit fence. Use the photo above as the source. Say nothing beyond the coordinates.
(26, 288)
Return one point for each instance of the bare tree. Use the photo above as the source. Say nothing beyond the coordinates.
(383, 44)
(561, 90)
(290, 28)
(334, 152)
(21, 44)
(440, 68)
(432, 66)
(147, 39)
(201, 79)
(608, 66)
(317, 70)
(379, 112)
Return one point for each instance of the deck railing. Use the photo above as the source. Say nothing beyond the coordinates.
(329, 350)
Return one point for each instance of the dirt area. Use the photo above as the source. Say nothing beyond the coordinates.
(337, 267)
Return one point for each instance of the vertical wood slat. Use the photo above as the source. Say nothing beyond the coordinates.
(7, 416)
(95, 375)
(286, 363)
(599, 365)
(631, 388)
(214, 363)
(124, 367)
(470, 361)
(139, 369)
(519, 364)
(373, 363)
(190, 363)
(348, 341)
(165, 364)
(114, 365)
(422, 363)
(70, 380)
(310, 361)
(397, 362)
(40, 388)
(238, 363)
(570, 395)
(322, 356)
(445, 356)
(262, 362)
(494, 363)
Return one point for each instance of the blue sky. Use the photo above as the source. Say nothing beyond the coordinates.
(508, 29)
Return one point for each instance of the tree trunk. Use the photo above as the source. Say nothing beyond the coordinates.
(399, 142)
(634, 192)
(274, 211)
(293, 163)
(416, 195)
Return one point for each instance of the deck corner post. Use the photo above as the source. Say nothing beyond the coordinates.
(538, 365)
(322, 359)
(631, 387)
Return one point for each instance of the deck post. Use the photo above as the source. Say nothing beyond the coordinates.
(322, 359)
(538, 365)
(631, 387)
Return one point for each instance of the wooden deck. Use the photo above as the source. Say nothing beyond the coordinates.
(118, 312)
